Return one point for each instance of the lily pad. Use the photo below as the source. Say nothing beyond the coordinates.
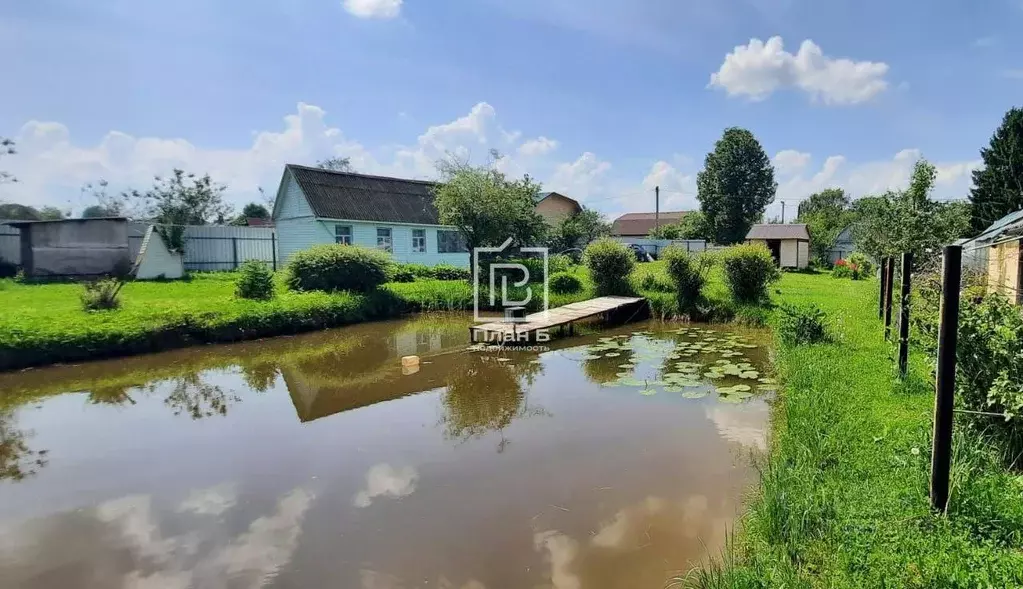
(695, 394)
(648, 392)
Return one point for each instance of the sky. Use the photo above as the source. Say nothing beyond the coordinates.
(600, 100)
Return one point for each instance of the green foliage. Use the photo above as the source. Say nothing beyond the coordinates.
(16, 212)
(336, 164)
(50, 213)
(656, 283)
(735, 186)
(610, 263)
(863, 263)
(998, 185)
(693, 225)
(578, 230)
(750, 316)
(565, 283)
(251, 211)
(448, 272)
(559, 263)
(331, 268)
(749, 269)
(687, 273)
(401, 273)
(7, 148)
(408, 272)
(181, 199)
(908, 221)
(101, 295)
(97, 211)
(487, 208)
(255, 281)
(826, 214)
(841, 270)
(802, 324)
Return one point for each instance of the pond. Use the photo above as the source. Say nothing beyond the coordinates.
(615, 459)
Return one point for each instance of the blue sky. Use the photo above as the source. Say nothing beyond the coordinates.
(597, 99)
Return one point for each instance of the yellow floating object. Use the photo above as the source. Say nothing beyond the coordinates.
(409, 361)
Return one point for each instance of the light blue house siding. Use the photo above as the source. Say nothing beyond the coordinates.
(298, 228)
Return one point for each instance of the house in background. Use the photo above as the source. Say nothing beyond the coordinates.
(555, 207)
(641, 224)
(789, 243)
(844, 246)
(998, 252)
(316, 206)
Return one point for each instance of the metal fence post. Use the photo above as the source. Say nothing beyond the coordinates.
(907, 271)
(888, 284)
(944, 388)
(273, 248)
(880, 300)
(234, 249)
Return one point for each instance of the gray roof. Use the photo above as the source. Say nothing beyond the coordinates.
(779, 231)
(1008, 225)
(359, 197)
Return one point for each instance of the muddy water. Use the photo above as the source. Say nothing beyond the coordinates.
(314, 461)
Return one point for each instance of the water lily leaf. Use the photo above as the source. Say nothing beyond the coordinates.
(734, 400)
(671, 389)
(713, 375)
(767, 380)
(695, 394)
(612, 355)
(648, 392)
(751, 374)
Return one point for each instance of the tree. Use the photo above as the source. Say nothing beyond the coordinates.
(7, 148)
(17, 212)
(50, 213)
(182, 199)
(251, 211)
(107, 204)
(826, 214)
(908, 221)
(998, 186)
(97, 211)
(336, 164)
(487, 208)
(735, 186)
(578, 230)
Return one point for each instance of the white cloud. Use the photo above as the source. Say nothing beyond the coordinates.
(539, 146)
(678, 190)
(758, 69)
(790, 161)
(384, 480)
(374, 8)
(212, 501)
(581, 179)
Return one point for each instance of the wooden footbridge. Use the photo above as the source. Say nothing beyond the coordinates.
(526, 329)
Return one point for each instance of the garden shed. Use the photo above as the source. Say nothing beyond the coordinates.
(74, 247)
(789, 243)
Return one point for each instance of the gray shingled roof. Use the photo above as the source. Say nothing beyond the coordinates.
(779, 231)
(358, 197)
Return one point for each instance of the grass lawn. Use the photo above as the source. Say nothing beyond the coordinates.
(843, 498)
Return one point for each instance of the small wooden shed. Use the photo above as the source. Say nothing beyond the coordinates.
(789, 243)
(74, 247)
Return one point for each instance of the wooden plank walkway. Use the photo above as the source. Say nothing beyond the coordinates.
(499, 331)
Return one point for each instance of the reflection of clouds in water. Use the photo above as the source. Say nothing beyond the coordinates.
(370, 579)
(743, 424)
(120, 544)
(386, 480)
(625, 545)
(212, 501)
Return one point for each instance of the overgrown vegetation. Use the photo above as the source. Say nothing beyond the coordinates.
(101, 295)
(255, 281)
(564, 283)
(332, 268)
(610, 264)
(998, 185)
(687, 274)
(802, 324)
(749, 269)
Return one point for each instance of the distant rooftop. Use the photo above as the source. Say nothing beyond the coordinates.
(779, 231)
(640, 224)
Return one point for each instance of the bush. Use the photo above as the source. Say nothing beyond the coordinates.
(559, 263)
(8, 269)
(686, 273)
(448, 272)
(805, 324)
(331, 268)
(748, 270)
(565, 283)
(255, 281)
(750, 316)
(610, 263)
(656, 283)
(863, 264)
(841, 270)
(101, 295)
(401, 273)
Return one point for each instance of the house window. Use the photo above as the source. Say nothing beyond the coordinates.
(450, 242)
(419, 241)
(343, 234)
(384, 239)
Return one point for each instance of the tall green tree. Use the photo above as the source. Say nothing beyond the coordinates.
(826, 214)
(998, 185)
(578, 230)
(253, 210)
(735, 185)
(51, 213)
(16, 212)
(182, 199)
(96, 211)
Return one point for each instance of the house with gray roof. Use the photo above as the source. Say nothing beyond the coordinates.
(789, 243)
(316, 206)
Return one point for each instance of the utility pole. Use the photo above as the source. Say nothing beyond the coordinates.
(782, 212)
(657, 209)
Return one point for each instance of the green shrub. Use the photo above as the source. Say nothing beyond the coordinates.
(841, 270)
(101, 295)
(990, 357)
(565, 283)
(863, 264)
(610, 263)
(8, 269)
(559, 263)
(750, 316)
(687, 273)
(255, 281)
(748, 270)
(448, 272)
(331, 268)
(655, 283)
(806, 324)
(401, 273)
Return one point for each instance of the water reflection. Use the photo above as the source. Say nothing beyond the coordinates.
(17, 459)
(384, 480)
(486, 393)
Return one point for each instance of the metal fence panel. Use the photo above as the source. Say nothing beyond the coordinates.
(10, 244)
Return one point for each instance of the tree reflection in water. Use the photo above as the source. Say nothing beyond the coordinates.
(260, 376)
(486, 394)
(191, 396)
(17, 460)
(605, 369)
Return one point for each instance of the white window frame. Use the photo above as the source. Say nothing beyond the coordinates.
(419, 241)
(343, 239)
(388, 245)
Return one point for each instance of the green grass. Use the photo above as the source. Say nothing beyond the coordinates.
(843, 494)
